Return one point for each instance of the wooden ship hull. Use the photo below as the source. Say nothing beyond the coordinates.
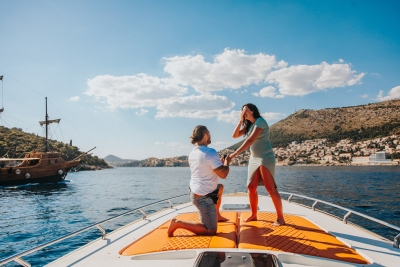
(37, 167)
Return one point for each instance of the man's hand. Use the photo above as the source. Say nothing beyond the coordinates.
(223, 170)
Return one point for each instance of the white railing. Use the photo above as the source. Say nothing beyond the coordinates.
(17, 258)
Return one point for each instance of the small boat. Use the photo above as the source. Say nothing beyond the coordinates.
(311, 237)
(36, 167)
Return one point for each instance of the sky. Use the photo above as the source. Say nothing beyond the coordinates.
(133, 78)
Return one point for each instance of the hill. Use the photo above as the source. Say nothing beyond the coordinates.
(14, 143)
(112, 158)
(356, 123)
(116, 161)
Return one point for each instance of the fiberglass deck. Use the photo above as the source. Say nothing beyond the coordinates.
(298, 236)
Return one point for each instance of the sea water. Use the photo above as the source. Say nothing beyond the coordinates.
(31, 215)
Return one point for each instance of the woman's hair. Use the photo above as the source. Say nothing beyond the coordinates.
(198, 134)
(246, 124)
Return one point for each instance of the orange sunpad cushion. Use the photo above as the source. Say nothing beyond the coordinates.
(157, 240)
(297, 236)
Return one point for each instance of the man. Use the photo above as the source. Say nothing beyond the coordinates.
(205, 192)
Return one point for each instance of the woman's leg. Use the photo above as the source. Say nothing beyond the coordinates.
(269, 184)
(253, 196)
(220, 191)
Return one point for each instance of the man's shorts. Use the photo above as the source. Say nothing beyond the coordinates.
(207, 210)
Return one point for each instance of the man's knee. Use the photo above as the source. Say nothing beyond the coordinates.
(211, 232)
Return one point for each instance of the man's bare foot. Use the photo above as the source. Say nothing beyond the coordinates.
(251, 218)
(222, 219)
(278, 223)
(172, 227)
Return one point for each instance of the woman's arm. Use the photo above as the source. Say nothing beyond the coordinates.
(238, 131)
(247, 143)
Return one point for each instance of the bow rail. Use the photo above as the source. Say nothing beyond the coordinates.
(17, 257)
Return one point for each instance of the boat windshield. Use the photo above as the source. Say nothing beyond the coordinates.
(215, 258)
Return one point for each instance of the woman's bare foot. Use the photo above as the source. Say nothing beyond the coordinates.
(222, 219)
(251, 218)
(172, 227)
(278, 223)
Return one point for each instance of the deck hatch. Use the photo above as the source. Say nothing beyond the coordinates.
(215, 258)
(237, 207)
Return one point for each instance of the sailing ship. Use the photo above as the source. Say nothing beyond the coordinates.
(36, 167)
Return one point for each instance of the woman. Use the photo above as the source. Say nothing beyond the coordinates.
(261, 170)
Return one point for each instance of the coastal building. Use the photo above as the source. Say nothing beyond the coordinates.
(169, 163)
(361, 160)
(380, 158)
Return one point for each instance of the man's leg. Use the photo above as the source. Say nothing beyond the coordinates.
(195, 227)
(207, 214)
(217, 206)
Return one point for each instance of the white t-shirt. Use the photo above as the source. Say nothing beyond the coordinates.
(202, 161)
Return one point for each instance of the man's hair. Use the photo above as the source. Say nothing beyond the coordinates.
(198, 134)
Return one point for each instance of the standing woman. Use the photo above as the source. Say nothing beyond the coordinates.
(261, 170)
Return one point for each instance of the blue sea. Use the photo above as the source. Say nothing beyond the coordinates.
(31, 215)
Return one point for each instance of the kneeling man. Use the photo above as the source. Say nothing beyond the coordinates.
(205, 192)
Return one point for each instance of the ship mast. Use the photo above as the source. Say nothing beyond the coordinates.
(2, 98)
(47, 122)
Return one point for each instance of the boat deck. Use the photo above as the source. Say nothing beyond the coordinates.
(309, 238)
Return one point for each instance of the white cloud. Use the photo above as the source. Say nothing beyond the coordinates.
(393, 93)
(142, 111)
(305, 79)
(232, 69)
(134, 91)
(272, 115)
(74, 98)
(364, 96)
(233, 116)
(159, 143)
(268, 91)
(341, 60)
(202, 107)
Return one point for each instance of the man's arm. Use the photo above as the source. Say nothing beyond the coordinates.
(223, 170)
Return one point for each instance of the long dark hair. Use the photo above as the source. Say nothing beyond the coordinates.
(246, 124)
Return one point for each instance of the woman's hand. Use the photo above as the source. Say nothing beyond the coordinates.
(242, 113)
(232, 156)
